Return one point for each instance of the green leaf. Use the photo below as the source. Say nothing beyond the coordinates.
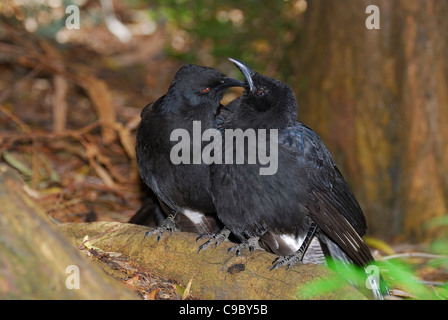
(16, 163)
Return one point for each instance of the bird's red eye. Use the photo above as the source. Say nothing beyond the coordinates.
(206, 90)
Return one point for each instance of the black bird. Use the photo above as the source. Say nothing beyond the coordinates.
(304, 199)
(194, 95)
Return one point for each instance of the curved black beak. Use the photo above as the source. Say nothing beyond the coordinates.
(246, 71)
(227, 82)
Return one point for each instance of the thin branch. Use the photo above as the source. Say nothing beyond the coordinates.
(413, 255)
(22, 125)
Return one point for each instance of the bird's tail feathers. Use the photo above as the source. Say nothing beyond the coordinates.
(367, 279)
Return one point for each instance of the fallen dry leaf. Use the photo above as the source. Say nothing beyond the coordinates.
(187, 290)
(152, 295)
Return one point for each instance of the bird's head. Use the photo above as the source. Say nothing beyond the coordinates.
(265, 94)
(199, 85)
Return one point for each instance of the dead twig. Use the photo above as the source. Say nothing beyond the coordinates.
(22, 125)
(413, 255)
(108, 230)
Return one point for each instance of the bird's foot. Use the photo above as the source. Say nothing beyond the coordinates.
(290, 260)
(215, 238)
(167, 225)
(297, 256)
(251, 244)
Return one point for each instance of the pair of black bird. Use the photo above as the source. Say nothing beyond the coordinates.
(302, 212)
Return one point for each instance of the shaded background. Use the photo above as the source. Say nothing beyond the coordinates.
(70, 98)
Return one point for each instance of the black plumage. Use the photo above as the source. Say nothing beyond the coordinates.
(151, 214)
(306, 198)
(194, 95)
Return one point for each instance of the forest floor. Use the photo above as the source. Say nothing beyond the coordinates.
(68, 116)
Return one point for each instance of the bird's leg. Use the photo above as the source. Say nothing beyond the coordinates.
(298, 255)
(168, 224)
(251, 244)
(215, 238)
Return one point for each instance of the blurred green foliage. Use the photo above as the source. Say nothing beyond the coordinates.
(402, 272)
(264, 34)
(399, 274)
(261, 33)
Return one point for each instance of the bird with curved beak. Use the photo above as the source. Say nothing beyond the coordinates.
(306, 205)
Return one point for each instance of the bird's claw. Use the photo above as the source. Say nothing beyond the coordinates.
(167, 225)
(215, 238)
(289, 261)
(251, 244)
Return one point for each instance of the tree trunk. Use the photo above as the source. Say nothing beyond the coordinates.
(378, 98)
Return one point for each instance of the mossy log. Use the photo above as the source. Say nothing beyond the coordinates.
(214, 273)
(36, 260)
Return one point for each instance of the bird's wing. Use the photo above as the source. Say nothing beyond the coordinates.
(338, 229)
(332, 206)
(323, 174)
